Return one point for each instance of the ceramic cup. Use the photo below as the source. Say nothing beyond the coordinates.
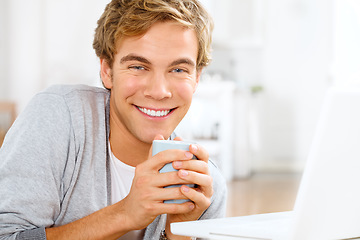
(161, 145)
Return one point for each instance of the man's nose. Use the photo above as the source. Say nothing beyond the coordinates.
(157, 87)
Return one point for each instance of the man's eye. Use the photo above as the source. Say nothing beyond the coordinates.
(137, 67)
(178, 70)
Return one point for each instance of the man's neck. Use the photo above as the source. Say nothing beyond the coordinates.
(126, 147)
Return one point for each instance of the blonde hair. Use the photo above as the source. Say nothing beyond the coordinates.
(122, 18)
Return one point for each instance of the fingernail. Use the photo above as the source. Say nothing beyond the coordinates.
(177, 164)
(185, 188)
(191, 206)
(194, 147)
(188, 154)
(184, 173)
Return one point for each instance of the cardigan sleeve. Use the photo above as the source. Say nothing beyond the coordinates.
(32, 161)
(217, 209)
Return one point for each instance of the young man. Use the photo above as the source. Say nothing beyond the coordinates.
(77, 163)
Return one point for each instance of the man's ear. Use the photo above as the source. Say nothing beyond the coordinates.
(105, 73)
(198, 74)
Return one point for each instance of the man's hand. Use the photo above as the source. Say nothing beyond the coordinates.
(195, 172)
(146, 198)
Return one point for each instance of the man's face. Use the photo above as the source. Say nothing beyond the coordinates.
(152, 80)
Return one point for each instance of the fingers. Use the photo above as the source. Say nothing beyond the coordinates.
(157, 137)
(168, 156)
(179, 178)
(195, 177)
(190, 172)
(168, 179)
(171, 193)
(203, 181)
(196, 196)
(151, 203)
(176, 208)
(193, 165)
(157, 161)
(199, 152)
(159, 195)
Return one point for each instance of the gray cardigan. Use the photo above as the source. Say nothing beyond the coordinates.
(54, 164)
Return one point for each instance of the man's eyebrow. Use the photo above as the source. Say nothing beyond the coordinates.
(183, 60)
(133, 57)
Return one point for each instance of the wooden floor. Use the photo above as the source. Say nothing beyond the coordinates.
(262, 193)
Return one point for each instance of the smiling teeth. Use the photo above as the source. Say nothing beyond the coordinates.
(154, 113)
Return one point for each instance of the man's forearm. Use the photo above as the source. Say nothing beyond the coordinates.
(107, 223)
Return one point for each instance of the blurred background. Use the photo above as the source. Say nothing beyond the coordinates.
(257, 105)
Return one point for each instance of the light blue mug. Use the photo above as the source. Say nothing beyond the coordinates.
(161, 145)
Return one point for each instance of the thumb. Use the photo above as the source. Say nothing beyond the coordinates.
(178, 139)
(157, 137)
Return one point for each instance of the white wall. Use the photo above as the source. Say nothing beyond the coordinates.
(25, 49)
(296, 73)
(69, 57)
(3, 51)
(346, 42)
(48, 42)
(287, 47)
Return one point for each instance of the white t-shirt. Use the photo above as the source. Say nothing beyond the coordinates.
(122, 176)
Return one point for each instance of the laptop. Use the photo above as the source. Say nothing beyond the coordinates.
(328, 201)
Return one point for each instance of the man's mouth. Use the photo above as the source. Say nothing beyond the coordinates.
(155, 113)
